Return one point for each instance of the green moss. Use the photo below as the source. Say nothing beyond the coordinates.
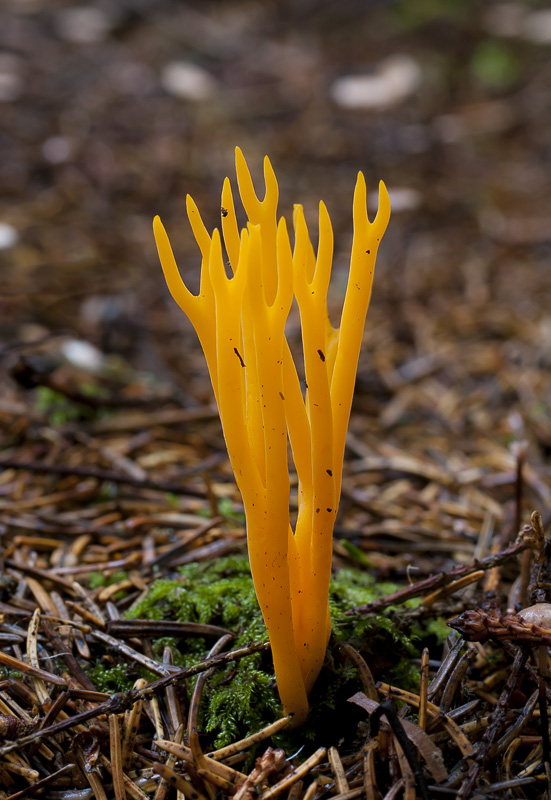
(97, 579)
(242, 698)
(94, 390)
(356, 553)
(494, 65)
(6, 674)
(58, 408)
(242, 705)
(225, 509)
(111, 679)
(423, 12)
(172, 500)
(387, 641)
(438, 628)
(219, 592)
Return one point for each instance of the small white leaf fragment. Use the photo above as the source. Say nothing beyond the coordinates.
(83, 355)
(8, 236)
(395, 79)
(187, 81)
(402, 198)
(83, 24)
(11, 77)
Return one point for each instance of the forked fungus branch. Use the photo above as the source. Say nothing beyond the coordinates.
(240, 322)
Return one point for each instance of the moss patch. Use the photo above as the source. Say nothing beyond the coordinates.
(241, 698)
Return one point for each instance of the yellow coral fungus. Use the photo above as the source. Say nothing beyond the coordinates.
(240, 322)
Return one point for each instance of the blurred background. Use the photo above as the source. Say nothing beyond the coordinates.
(111, 112)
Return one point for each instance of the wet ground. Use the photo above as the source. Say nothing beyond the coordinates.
(109, 114)
(112, 112)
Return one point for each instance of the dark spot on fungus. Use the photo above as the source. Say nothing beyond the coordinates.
(224, 211)
(329, 473)
(238, 354)
(321, 355)
(368, 252)
(281, 395)
(330, 510)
